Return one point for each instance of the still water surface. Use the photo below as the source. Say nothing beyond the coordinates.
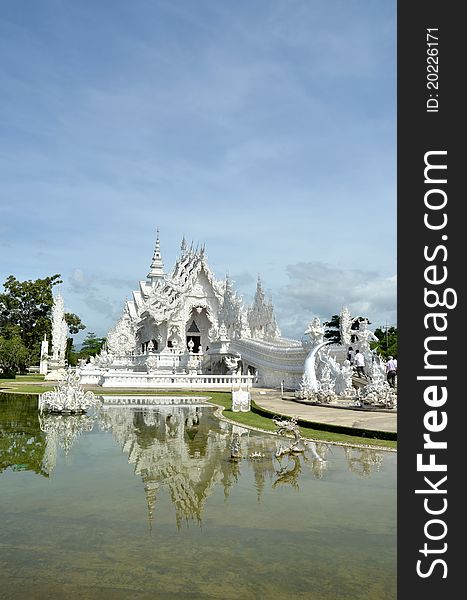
(136, 503)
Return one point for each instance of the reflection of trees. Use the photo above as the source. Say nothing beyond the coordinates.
(22, 443)
(363, 461)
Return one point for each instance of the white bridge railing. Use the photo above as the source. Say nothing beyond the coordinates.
(129, 379)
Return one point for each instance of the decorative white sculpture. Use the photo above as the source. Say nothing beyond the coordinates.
(261, 320)
(121, 340)
(345, 327)
(287, 427)
(364, 337)
(68, 397)
(343, 382)
(241, 401)
(151, 364)
(223, 332)
(43, 366)
(310, 381)
(374, 394)
(59, 331)
(315, 331)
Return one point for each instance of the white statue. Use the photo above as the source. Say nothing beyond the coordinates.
(343, 382)
(315, 331)
(345, 326)
(364, 337)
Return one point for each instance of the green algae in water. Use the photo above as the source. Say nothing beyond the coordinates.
(146, 503)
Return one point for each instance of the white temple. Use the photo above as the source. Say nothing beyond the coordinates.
(189, 329)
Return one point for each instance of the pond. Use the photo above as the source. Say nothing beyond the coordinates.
(144, 502)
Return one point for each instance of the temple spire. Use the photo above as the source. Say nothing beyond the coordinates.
(156, 271)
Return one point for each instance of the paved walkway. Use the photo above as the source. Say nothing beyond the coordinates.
(347, 417)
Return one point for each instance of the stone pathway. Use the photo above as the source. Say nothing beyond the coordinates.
(360, 419)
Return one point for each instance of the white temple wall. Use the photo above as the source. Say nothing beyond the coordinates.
(272, 378)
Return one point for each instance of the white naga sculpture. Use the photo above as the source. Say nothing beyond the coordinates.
(288, 427)
(315, 331)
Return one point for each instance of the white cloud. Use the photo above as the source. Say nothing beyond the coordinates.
(319, 289)
(91, 291)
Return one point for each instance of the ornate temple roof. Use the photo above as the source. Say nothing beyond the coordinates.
(162, 296)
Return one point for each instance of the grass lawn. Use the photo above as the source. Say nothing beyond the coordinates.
(20, 378)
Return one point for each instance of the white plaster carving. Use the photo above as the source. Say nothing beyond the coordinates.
(43, 366)
(59, 331)
(121, 339)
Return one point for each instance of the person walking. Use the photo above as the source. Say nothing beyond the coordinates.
(391, 371)
(359, 362)
(350, 355)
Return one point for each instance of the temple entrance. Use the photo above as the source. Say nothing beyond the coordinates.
(193, 334)
(197, 329)
(196, 339)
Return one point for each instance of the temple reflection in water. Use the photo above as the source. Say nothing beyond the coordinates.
(182, 449)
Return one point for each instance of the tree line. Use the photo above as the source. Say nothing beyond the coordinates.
(26, 316)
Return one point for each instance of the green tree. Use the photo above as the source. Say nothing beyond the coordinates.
(91, 346)
(387, 344)
(26, 309)
(75, 325)
(332, 332)
(14, 356)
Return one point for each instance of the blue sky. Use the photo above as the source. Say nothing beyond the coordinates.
(266, 129)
